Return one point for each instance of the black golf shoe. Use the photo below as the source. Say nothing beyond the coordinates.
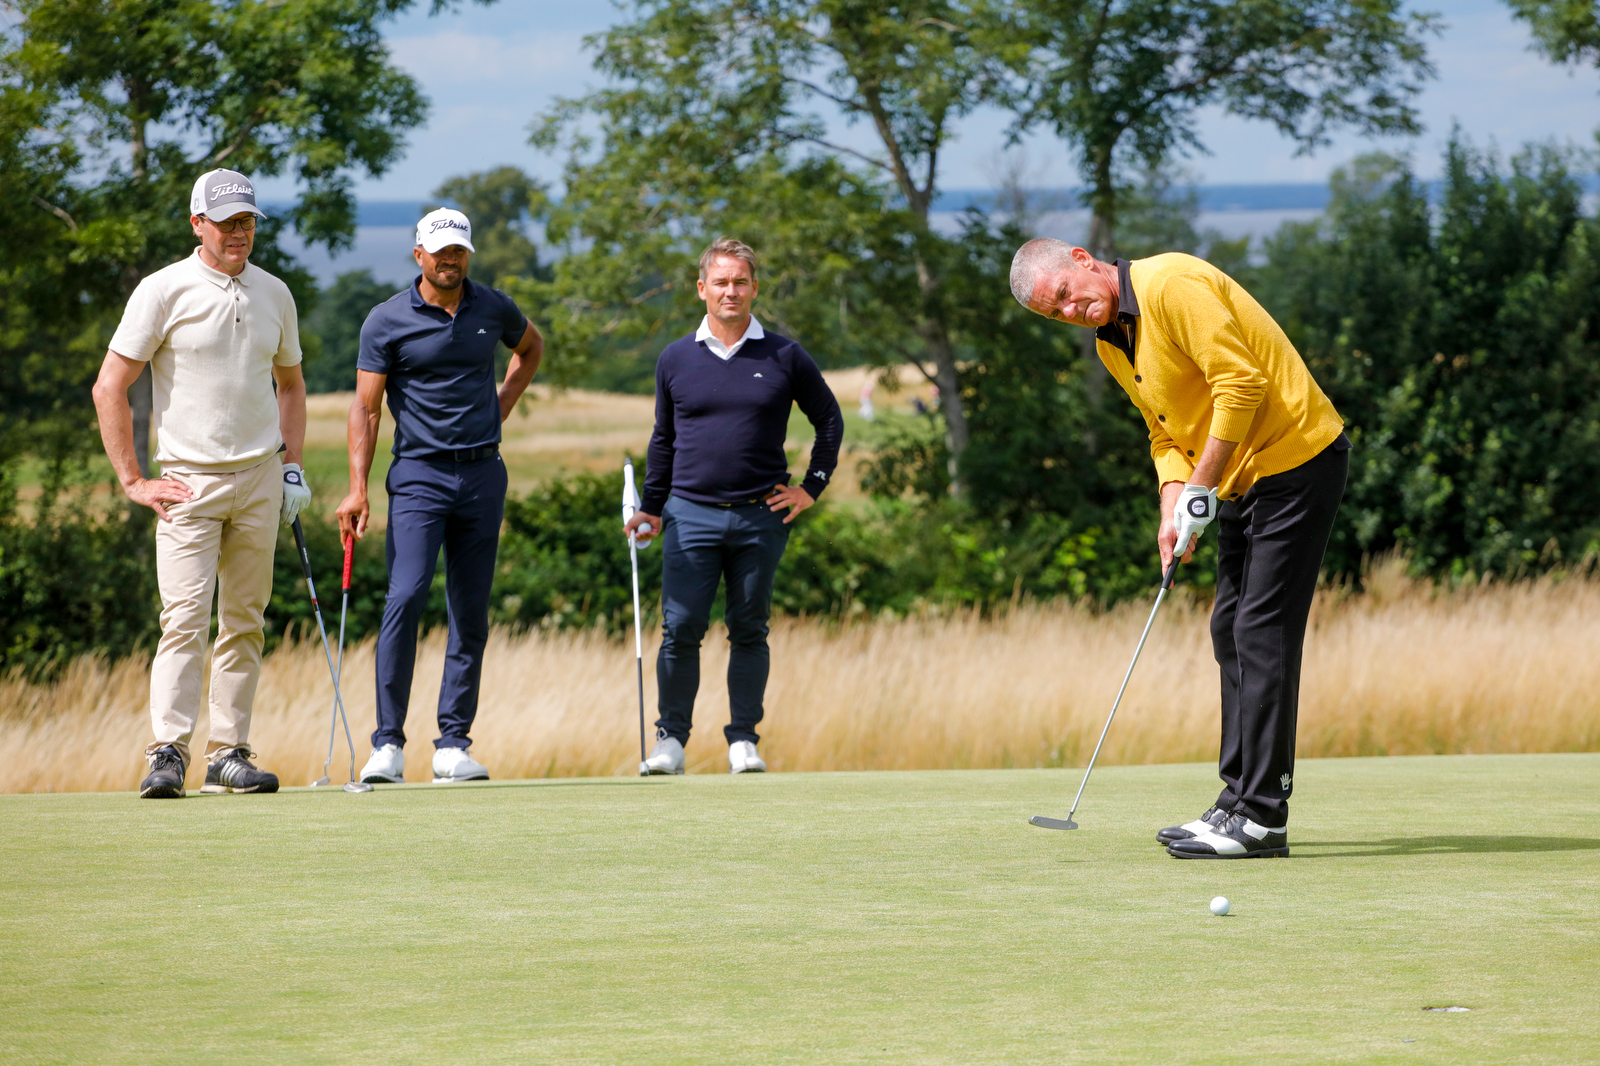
(1187, 830)
(230, 771)
(1237, 837)
(165, 780)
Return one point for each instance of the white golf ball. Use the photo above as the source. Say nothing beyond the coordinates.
(1220, 906)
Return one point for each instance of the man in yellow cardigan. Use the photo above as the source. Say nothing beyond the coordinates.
(1240, 433)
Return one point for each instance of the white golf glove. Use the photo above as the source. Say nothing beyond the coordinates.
(296, 492)
(1197, 506)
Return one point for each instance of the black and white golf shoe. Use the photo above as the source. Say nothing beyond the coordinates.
(230, 771)
(165, 780)
(1188, 830)
(1237, 837)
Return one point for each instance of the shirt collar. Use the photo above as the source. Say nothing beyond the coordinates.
(1127, 301)
(217, 277)
(752, 332)
(467, 285)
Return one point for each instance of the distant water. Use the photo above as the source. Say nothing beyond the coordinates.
(385, 227)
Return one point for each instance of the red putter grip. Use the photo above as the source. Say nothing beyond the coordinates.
(349, 553)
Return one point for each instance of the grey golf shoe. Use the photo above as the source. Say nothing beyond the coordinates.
(165, 780)
(230, 771)
(665, 758)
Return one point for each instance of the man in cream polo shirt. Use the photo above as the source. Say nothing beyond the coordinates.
(217, 333)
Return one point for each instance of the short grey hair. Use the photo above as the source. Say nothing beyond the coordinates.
(727, 247)
(1037, 257)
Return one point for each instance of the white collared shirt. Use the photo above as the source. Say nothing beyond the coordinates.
(752, 332)
(211, 341)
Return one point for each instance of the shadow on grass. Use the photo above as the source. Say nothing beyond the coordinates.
(1444, 845)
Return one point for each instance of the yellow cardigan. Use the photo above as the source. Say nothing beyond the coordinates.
(1211, 362)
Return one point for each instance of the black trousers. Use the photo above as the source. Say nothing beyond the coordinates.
(703, 546)
(1271, 543)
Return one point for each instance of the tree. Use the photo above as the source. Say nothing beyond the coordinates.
(500, 203)
(714, 121)
(143, 95)
(1459, 339)
(1123, 81)
(341, 309)
(1566, 31)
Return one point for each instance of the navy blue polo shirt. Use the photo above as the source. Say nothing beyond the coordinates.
(441, 385)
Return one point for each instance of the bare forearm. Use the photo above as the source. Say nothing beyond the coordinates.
(116, 433)
(292, 421)
(1213, 462)
(363, 439)
(519, 375)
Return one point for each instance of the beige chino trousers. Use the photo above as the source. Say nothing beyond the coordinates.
(221, 542)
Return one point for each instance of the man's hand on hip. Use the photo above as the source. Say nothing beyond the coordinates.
(296, 492)
(152, 493)
(353, 514)
(793, 497)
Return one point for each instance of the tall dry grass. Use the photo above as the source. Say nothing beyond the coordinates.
(1401, 669)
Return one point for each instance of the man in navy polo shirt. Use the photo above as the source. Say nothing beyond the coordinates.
(431, 349)
(718, 475)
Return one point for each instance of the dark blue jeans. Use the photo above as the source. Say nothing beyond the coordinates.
(458, 506)
(701, 546)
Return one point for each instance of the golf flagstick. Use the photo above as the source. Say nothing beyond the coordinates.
(338, 702)
(1058, 823)
(630, 505)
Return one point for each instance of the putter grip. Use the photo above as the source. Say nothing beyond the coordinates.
(349, 554)
(1172, 572)
(305, 558)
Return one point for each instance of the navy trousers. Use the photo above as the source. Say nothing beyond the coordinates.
(1270, 546)
(458, 506)
(701, 546)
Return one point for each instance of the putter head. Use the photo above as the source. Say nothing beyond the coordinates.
(319, 782)
(644, 770)
(357, 786)
(1052, 823)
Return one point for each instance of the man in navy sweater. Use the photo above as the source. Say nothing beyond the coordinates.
(719, 477)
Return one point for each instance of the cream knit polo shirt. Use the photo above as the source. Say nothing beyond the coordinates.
(212, 341)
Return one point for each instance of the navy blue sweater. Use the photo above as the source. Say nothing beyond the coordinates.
(720, 425)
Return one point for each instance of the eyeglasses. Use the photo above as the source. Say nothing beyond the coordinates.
(247, 224)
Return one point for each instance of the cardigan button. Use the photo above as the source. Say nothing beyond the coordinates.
(1136, 377)
(1191, 452)
(1162, 417)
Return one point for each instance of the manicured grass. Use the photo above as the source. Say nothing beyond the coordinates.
(809, 918)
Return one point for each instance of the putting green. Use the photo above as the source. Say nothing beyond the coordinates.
(810, 918)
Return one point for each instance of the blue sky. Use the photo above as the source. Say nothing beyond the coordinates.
(489, 70)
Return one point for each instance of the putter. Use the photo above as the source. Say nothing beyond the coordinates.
(338, 702)
(1067, 823)
(630, 504)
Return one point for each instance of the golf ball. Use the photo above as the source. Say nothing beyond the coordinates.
(1220, 905)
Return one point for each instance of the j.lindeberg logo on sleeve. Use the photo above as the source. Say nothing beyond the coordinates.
(483, 331)
(758, 375)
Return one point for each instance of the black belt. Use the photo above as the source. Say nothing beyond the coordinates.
(738, 503)
(463, 455)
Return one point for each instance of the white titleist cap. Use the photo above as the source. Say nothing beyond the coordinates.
(221, 194)
(442, 228)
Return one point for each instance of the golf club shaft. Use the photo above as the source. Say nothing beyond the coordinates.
(1166, 584)
(338, 674)
(638, 638)
(316, 609)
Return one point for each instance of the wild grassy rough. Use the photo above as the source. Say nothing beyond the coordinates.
(1401, 669)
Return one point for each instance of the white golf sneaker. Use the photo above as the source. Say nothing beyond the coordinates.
(386, 767)
(666, 757)
(742, 759)
(454, 764)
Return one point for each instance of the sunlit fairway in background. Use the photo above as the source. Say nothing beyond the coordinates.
(809, 918)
